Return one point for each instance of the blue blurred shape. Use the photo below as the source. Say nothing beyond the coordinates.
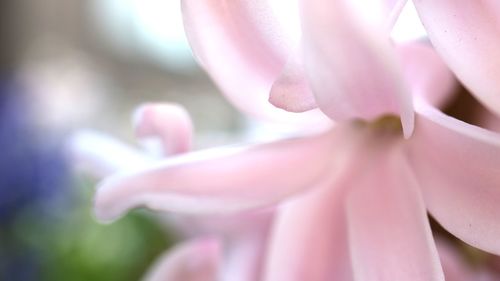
(30, 172)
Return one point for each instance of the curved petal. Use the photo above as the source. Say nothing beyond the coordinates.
(291, 90)
(467, 35)
(241, 46)
(309, 239)
(169, 122)
(196, 260)
(226, 179)
(100, 155)
(458, 168)
(351, 65)
(426, 73)
(389, 233)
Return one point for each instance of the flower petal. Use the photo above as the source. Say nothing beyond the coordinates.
(309, 239)
(426, 73)
(291, 90)
(226, 179)
(100, 155)
(170, 122)
(389, 233)
(458, 168)
(242, 47)
(354, 71)
(243, 235)
(467, 35)
(244, 252)
(196, 260)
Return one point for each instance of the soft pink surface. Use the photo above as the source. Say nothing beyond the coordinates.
(291, 90)
(457, 167)
(309, 239)
(353, 72)
(240, 45)
(389, 234)
(195, 260)
(467, 35)
(171, 123)
(226, 179)
(427, 74)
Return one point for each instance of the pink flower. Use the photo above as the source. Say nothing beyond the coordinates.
(218, 247)
(360, 188)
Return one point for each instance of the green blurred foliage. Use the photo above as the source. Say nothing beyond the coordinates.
(73, 246)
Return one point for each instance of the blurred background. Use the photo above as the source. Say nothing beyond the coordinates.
(72, 64)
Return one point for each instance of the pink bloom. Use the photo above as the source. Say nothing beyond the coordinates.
(231, 246)
(361, 190)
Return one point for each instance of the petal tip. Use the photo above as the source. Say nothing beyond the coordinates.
(408, 119)
(168, 122)
(104, 204)
(291, 104)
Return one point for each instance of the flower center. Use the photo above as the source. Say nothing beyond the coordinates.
(388, 124)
